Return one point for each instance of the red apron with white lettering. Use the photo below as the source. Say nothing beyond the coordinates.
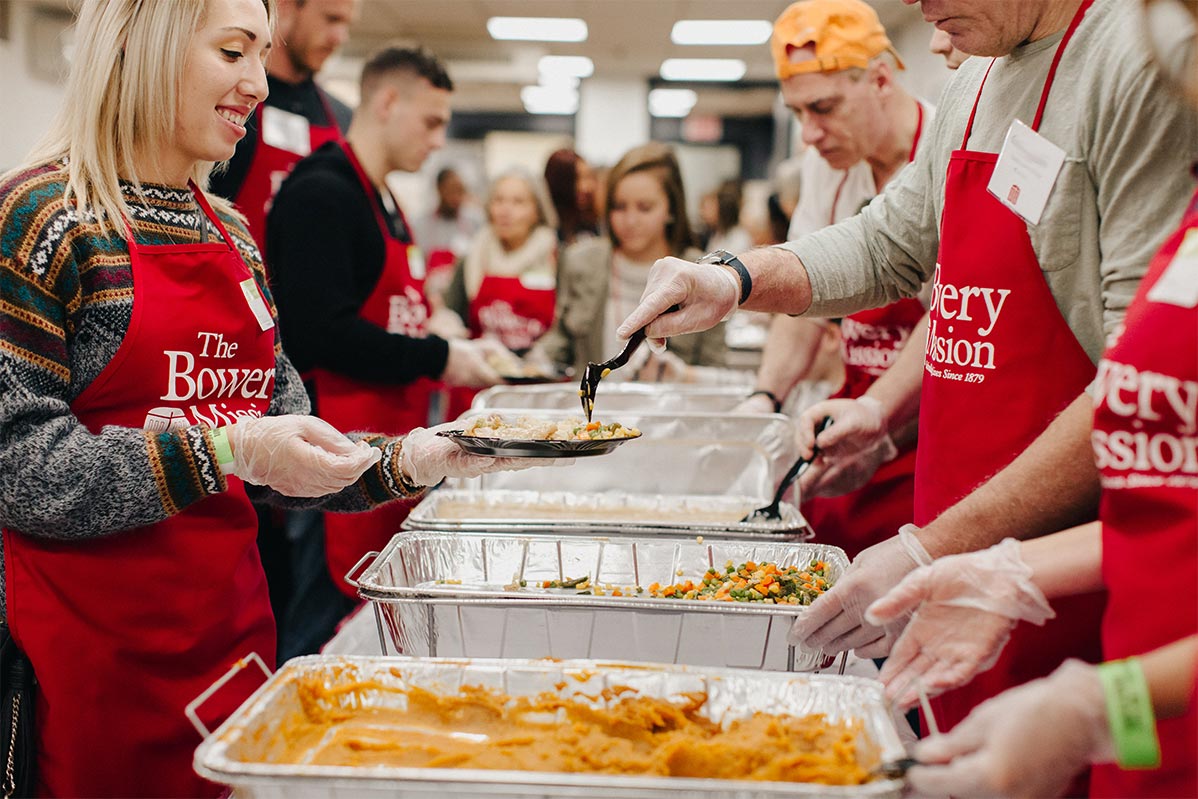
(870, 342)
(1146, 446)
(124, 630)
(1000, 364)
(511, 311)
(398, 305)
(270, 167)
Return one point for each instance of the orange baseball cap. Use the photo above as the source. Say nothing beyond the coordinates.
(846, 34)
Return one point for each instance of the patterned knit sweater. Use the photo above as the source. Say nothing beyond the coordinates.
(66, 300)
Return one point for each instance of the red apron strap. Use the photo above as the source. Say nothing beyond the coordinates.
(976, 101)
(1056, 60)
(918, 131)
(364, 179)
(338, 136)
(206, 207)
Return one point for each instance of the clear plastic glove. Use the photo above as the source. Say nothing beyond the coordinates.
(832, 477)
(706, 293)
(1029, 741)
(427, 458)
(836, 621)
(857, 427)
(469, 362)
(758, 403)
(298, 456)
(965, 607)
(446, 324)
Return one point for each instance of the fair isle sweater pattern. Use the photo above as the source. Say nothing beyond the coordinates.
(66, 301)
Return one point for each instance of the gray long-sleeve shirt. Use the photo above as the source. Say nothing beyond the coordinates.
(1130, 143)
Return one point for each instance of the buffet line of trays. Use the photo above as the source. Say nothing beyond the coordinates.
(564, 608)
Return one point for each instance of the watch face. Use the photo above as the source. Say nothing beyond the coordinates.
(717, 257)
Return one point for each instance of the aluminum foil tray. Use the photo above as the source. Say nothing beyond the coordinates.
(456, 509)
(486, 615)
(239, 754)
(697, 454)
(617, 397)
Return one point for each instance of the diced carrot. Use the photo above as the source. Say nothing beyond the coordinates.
(593, 426)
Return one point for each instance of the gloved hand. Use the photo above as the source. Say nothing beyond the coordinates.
(706, 292)
(427, 458)
(446, 324)
(298, 456)
(758, 403)
(857, 426)
(469, 364)
(1026, 742)
(965, 607)
(835, 622)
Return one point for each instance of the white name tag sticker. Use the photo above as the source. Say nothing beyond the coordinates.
(417, 266)
(1027, 169)
(1178, 285)
(538, 281)
(286, 130)
(253, 298)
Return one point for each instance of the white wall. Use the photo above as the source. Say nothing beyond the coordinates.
(28, 102)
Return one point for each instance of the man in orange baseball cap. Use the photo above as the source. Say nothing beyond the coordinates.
(834, 60)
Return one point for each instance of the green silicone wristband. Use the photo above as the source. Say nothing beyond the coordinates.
(220, 442)
(1129, 713)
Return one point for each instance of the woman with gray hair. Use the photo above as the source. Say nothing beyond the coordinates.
(504, 286)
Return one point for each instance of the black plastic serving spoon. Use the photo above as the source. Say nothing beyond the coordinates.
(772, 511)
(597, 371)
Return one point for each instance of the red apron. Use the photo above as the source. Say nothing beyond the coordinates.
(124, 630)
(870, 342)
(397, 305)
(1000, 364)
(506, 309)
(270, 167)
(1146, 445)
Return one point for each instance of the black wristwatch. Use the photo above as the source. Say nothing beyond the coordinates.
(725, 258)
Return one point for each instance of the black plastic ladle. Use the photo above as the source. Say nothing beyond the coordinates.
(772, 510)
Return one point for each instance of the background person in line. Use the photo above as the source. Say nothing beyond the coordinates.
(349, 279)
(600, 279)
(132, 579)
(1080, 267)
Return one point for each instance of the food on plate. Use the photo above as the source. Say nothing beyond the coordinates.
(527, 428)
(618, 731)
(763, 583)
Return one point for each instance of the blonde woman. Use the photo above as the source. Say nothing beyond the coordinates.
(601, 280)
(144, 400)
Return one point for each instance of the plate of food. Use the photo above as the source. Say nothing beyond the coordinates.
(527, 437)
(517, 371)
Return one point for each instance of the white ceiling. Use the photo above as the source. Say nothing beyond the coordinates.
(628, 39)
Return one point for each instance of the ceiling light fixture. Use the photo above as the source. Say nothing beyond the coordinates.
(671, 102)
(575, 66)
(721, 31)
(713, 69)
(549, 100)
(537, 29)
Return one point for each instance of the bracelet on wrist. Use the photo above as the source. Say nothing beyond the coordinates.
(773, 398)
(405, 482)
(222, 447)
(1130, 714)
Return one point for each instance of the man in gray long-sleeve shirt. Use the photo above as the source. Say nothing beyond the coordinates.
(1128, 149)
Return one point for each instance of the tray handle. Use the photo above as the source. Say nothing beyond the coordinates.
(349, 575)
(194, 705)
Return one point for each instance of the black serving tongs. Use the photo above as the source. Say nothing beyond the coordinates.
(771, 511)
(597, 371)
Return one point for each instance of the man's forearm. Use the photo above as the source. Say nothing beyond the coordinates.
(1170, 674)
(780, 282)
(790, 350)
(1051, 486)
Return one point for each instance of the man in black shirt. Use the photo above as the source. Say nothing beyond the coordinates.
(348, 280)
